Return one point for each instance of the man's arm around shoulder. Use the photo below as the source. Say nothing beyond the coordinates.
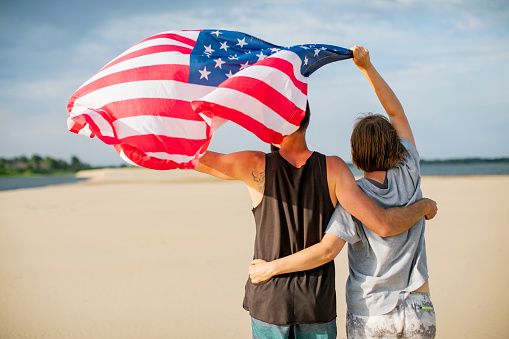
(383, 222)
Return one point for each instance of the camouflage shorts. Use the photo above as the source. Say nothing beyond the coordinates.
(413, 317)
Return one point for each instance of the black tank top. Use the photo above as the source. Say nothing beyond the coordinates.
(293, 214)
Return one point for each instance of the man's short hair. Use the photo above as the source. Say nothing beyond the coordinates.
(305, 121)
(375, 144)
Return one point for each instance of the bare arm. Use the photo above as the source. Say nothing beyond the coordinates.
(248, 166)
(383, 222)
(307, 259)
(387, 98)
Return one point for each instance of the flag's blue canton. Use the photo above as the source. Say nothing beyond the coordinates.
(218, 55)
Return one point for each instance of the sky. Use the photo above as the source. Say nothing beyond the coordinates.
(446, 60)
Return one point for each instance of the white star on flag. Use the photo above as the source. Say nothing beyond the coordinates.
(204, 73)
(224, 46)
(233, 57)
(242, 42)
(219, 62)
(216, 33)
(229, 74)
(305, 61)
(243, 66)
(208, 49)
(261, 56)
(316, 52)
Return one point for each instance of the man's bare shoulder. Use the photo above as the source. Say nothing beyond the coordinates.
(337, 169)
(336, 163)
(256, 155)
(249, 158)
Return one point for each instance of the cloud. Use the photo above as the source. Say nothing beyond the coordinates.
(445, 59)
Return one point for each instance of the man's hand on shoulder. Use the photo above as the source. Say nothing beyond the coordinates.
(433, 209)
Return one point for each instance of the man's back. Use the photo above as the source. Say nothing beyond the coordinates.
(292, 215)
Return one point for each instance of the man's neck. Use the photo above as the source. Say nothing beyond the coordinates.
(295, 150)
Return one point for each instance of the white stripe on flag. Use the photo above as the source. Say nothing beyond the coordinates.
(157, 125)
(294, 59)
(83, 131)
(151, 43)
(163, 89)
(243, 102)
(126, 159)
(103, 125)
(162, 58)
(277, 80)
(178, 158)
(193, 35)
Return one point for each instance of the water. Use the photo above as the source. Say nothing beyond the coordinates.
(12, 183)
(456, 169)
(465, 169)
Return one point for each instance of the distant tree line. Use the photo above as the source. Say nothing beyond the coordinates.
(23, 165)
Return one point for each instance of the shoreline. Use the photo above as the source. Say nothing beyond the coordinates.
(136, 175)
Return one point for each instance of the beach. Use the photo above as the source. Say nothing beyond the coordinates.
(136, 253)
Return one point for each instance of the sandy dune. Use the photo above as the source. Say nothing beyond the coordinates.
(135, 253)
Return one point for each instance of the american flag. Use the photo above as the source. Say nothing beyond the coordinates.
(159, 102)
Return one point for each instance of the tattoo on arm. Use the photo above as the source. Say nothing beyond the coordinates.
(259, 179)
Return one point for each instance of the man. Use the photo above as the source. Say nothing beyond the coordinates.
(294, 192)
(387, 292)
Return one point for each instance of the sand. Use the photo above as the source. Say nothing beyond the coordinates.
(135, 253)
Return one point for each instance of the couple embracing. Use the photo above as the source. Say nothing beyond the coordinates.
(307, 206)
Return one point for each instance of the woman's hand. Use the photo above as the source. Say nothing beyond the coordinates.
(260, 270)
(361, 57)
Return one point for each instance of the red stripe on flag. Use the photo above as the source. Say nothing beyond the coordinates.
(287, 68)
(260, 130)
(152, 106)
(144, 142)
(83, 119)
(162, 143)
(172, 36)
(156, 72)
(147, 161)
(149, 50)
(267, 95)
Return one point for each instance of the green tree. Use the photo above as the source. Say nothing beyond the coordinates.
(75, 163)
(49, 164)
(35, 163)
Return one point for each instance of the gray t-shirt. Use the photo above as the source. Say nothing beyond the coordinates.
(382, 268)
